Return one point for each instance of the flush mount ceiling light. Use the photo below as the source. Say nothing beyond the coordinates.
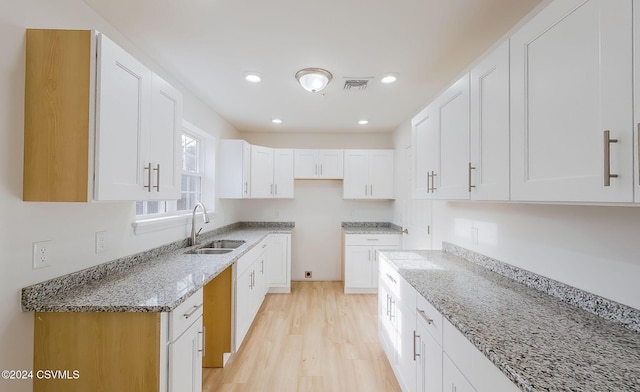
(252, 77)
(276, 121)
(363, 122)
(313, 79)
(389, 78)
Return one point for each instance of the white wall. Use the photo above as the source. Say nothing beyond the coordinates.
(594, 248)
(71, 226)
(318, 207)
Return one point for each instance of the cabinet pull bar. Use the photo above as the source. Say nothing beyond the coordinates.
(203, 350)
(276, 189)
(195, 309)
(428, 182)
(424, 316)
(470, 168)
(157, 170)
(388, 305)
(321, 170)
(262, 267)
(366, 190)
(316, 169)
(246, 187)
(149, 176)
(607, 158)
(415, 354)
(392, 315)
(391, 278)
(433, 181)
(371, 191)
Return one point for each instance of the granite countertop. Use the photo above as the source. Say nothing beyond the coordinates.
(538, 341)
(158, 284)
(370, 228)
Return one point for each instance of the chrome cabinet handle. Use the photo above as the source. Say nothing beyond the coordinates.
(424, 316)
(428, 181)
(415, 354)
(366, 190)
(316, 169)
(149, 176)
(433, 181)
(262, 267)
(391, 278)
(276, 185)
(371, 190)
(392, 314)
(388, 307)
(607, 158)
(470, 168)
(321, 170)
(246, 187)
(204, 341)
(195, 309)
(157, 170)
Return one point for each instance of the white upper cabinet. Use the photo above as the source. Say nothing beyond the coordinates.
(571, 83)
(441, 145)
(235, 169)
(318, 164)
(369, 174)
(271, 172)
(489, 140)
(138, 122)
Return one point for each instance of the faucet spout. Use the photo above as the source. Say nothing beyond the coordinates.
(193, 222)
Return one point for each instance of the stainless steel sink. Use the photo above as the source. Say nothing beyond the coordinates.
(225, 244)
(210, 251)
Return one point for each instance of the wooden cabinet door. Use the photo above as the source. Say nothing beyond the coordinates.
(330, 164)
(381, 174)
(489, 154)
(164, 141)
(453, 134)
(306, 163)
(185, 360)
(356, 174)
(571, 80)
(425, 150)
(261, 172)
(122, 125)
(283, 173)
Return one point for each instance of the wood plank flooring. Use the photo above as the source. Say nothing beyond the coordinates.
(314, 339)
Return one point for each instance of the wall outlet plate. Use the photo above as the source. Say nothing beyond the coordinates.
(41, 252)
(101, 241)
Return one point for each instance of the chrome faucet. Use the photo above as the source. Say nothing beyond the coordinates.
(193, 222)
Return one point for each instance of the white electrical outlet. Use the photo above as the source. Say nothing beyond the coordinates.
(101, 241)
(41, 254)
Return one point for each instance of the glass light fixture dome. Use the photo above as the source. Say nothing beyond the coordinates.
(313, 79)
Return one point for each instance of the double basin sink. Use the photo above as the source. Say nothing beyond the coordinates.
(217, 247)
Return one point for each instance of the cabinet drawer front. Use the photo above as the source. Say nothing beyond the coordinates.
(429, 317)
(372, 239)
(248, 258)
(389, 277)
(407, 295)
(185, 314)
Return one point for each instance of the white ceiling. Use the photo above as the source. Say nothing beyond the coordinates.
(209, 44)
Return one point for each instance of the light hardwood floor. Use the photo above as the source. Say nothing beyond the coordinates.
(314, 339)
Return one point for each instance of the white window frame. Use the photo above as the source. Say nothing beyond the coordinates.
(172, 217)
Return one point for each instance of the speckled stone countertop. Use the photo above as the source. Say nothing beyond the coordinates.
(154, 281)
(539, 342)
(370, 228)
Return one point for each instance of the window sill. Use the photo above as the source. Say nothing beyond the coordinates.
(149, 225)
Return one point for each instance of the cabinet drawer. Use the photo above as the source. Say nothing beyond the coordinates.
(372, 239)
(389, 277)
(429, 317)
(185, 314)
(248, 258)
(407, 295)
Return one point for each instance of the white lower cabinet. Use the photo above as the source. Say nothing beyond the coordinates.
(361, 260)
(278, 259)
(452, 379)
(428, 361)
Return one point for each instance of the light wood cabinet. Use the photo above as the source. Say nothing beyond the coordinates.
(571, 81)
(235, 169)
(489, 142)
(318, 164)
(96, 130)
(369, 174)
(361, 260)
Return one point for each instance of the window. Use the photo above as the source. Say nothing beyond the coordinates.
(197, 183)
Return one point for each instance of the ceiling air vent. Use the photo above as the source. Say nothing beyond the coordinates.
(356, 84)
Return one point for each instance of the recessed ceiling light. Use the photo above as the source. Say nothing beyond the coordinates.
(252, 77)
(388, 79)
(276, 121)
(363, 122)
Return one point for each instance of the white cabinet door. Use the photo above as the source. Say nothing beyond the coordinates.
(306, 163)
(571, 80)
(122, 124)
(406, 348)
(164, 142)
(429, 361)
(244, 288)
(386, 328)
(452, 180)
(452, 379)
(358, 268)
(489, 155)
(261, 172)
(356, 174)
(424, 127)
(283, 173)
(279, 262)
(185, 360)
(381, 174)
(234, 172)
(330, 164)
